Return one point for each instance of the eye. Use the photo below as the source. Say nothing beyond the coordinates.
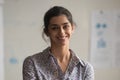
(66, 26)
(54, 27)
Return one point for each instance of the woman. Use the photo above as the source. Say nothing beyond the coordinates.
(57, 62)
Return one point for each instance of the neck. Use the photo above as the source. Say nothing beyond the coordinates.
(61, 53)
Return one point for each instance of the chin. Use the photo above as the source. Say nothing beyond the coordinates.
(63, 43)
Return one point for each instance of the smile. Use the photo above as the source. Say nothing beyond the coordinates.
(62, 38)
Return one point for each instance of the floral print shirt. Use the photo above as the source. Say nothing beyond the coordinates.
(44, 66)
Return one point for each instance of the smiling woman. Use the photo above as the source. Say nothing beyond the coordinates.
(60, 30)
(58, 61)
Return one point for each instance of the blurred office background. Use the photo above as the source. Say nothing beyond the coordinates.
(23, 21)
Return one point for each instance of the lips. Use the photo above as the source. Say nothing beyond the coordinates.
(62, 38)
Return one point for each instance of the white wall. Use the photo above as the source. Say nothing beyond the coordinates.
(22, 32)
(1, 42)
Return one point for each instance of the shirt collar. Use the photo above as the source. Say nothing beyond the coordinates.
(75, 59)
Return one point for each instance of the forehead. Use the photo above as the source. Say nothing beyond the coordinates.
(61, 19)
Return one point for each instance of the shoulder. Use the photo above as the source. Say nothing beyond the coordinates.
(85, 63)
(37, 58)
(30, 60)
(82, 63)
(87, 68)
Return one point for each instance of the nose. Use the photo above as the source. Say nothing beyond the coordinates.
(61, 31)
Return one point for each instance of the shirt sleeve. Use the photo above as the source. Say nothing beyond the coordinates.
(29, 72)
(89, 73)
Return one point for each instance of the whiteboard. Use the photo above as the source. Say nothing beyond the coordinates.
(105, 39)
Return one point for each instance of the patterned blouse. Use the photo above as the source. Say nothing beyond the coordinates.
(43, 66)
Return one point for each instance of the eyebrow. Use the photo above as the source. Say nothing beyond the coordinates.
(66, 23)
(61, 24)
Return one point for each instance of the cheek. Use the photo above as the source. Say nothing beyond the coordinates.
(51, 35)
(70, 32)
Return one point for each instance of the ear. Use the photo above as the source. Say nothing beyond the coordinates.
(73, 28)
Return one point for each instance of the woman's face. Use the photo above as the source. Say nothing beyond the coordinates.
(60, 30)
